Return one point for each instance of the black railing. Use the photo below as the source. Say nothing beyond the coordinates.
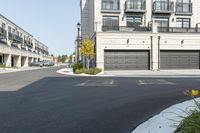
(110, 5)
(15, 38)
(178, 30)
(3, 33)
(28, 43)
(135, 5)
(163, 7)
(125, 28)
(183, 8)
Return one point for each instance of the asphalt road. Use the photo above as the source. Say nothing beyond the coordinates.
(42, 101)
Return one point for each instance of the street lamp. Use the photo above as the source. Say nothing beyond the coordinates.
(78, 40)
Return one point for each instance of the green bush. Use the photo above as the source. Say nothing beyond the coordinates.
(191, 124)
(79, 71)
(2, 66)
(77, 66)
(91, 71)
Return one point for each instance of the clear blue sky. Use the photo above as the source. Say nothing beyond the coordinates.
(53, 22)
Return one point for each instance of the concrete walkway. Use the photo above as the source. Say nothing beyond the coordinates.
(161, 73)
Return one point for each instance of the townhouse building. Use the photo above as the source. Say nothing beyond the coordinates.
(143, 34)
(18, 48)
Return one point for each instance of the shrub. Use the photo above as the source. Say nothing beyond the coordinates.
(78, 66)
(191, 123)
(2, 66)
(91, 71)
(97, 70)
(78, 71)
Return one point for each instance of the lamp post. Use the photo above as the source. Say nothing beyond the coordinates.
(78, 40)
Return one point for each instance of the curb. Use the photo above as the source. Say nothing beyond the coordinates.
(167, 120)
(68, 71)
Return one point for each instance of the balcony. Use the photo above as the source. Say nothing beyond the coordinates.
(183, 8)
(28, 43)
(110, 6)
(124, 29)
(178, 30)
(2, 33)
(135, 6)
(163, 7)
(15, 38)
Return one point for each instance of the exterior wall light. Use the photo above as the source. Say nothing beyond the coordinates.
(127, 41)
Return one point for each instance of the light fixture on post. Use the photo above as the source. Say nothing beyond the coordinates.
(78, 40)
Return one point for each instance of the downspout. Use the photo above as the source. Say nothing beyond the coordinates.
(151, 53)
(159, 53)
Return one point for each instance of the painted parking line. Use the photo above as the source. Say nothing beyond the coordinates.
(102, 82)
(155, 81)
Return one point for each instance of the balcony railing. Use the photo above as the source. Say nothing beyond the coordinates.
(178, 30)
(183, 8)
(163, 7)
(15, 38)
(135, 6)
(110, 6)
(2, 33)
(28, 43)
(124, 28)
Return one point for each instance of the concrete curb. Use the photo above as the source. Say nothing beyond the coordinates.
(168, 120)
(68, 71)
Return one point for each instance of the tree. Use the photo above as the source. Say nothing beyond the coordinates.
(87, 49)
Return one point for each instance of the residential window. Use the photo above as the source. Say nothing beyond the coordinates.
(110, 22)
(161, 5)
(3, 26)
(110, 4)
(13, 30)
(9, 29)
(17, 33)
(183, 6)
(183, 23)
(162, 22)
(133, 21)
(135, 4)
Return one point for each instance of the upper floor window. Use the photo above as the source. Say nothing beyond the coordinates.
(133, 21)
(110, 4)
(110, 23)
(163, 5)
(183, 23)
(17, 33)
(135, 4)
(9, 29)
(3, 26)
(13, 30)
(184, 6)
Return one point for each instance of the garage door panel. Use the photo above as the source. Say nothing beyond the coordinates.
(179, 60)
(126, 60)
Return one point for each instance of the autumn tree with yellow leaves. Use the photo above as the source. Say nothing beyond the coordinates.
(87, 49)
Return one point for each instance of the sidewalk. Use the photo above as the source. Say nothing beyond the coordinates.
(161, 73)
(9, 70)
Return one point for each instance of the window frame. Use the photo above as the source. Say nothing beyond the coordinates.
(182, 22)
(133, 20)
(110, 4)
